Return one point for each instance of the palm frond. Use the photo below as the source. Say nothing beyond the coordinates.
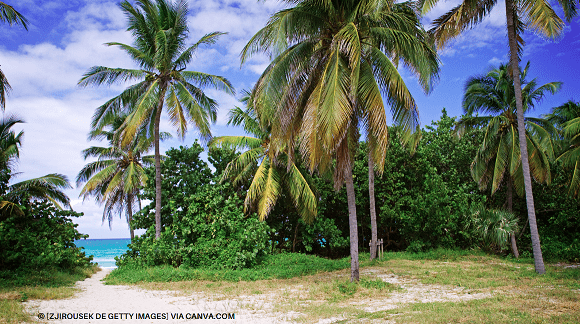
(9, 15)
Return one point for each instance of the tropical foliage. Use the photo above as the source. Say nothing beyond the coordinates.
(271, 174)
(535, 14)
(17, 196)
(495, 227)
(567, 119)
(333, 60)
(8, 15)
(159, 29)
(35, 232)
(499, 153)
(118, 175)
(204, 224)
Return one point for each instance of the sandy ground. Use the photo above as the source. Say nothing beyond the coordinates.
(122, 304)
(97, 298)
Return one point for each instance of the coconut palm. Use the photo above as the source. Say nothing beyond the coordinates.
(520, 14)
(8, 15)
(498, 159)
(118, 175)
(269, 174)
(159, 29)
(333, 62)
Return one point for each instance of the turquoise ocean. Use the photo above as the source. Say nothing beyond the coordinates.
(104, 251)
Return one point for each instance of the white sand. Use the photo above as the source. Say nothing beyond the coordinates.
(97, 298)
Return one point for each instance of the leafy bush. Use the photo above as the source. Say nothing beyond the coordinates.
(41, 238)
(273, 266)
(204, 224)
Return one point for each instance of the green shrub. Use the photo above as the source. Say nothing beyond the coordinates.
(213, 233)
(42, 238)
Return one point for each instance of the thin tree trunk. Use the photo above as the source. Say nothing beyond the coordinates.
(510, 208)
(130, 217)
(295, 237)
(514, 60)
(352, 224)
(374, 237)
(158, 166)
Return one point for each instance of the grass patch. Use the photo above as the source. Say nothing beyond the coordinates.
(19, 287)
(309, 289)
(278, 266)
(498, 309)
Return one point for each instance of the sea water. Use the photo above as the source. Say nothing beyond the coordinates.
(104, 251)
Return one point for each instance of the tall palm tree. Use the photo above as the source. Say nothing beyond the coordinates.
(520, 14)
(499, 153)
(333, 62)
(118, 175)
(159, 29)
(270, 173)
(8, 15)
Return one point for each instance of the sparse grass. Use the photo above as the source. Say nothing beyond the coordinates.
(43, 284)
(308, 289)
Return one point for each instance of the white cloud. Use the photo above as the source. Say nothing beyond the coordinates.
(495, 61)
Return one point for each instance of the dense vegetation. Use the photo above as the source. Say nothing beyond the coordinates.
(210, 217)
(424, 202)
(36, 232)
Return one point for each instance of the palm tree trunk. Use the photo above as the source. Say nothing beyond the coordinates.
(373, 211)
(352, 224)
(514, 60)
(130, 218)
(510, 208)
(158, 165)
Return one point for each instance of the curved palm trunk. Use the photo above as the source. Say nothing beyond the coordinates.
(352, 224)
(510, 208)
(130, 218)
(158, 164)
(514, 60)
(373, 211)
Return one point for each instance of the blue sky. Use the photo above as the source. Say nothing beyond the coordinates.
(65, 38)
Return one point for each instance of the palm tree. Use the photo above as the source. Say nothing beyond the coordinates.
(8, 15)
(159, 28)
(333, 62)
(272, 174)
(49, 187)
(118, 175)
(567, 119)
(537, 14)
(493, 93)
(564, 113)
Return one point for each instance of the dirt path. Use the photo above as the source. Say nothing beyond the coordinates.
(123, 304)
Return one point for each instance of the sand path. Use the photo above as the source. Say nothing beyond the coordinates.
(123, 304)
(127, 304)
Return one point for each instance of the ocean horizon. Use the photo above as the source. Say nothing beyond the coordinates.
(104, 251)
